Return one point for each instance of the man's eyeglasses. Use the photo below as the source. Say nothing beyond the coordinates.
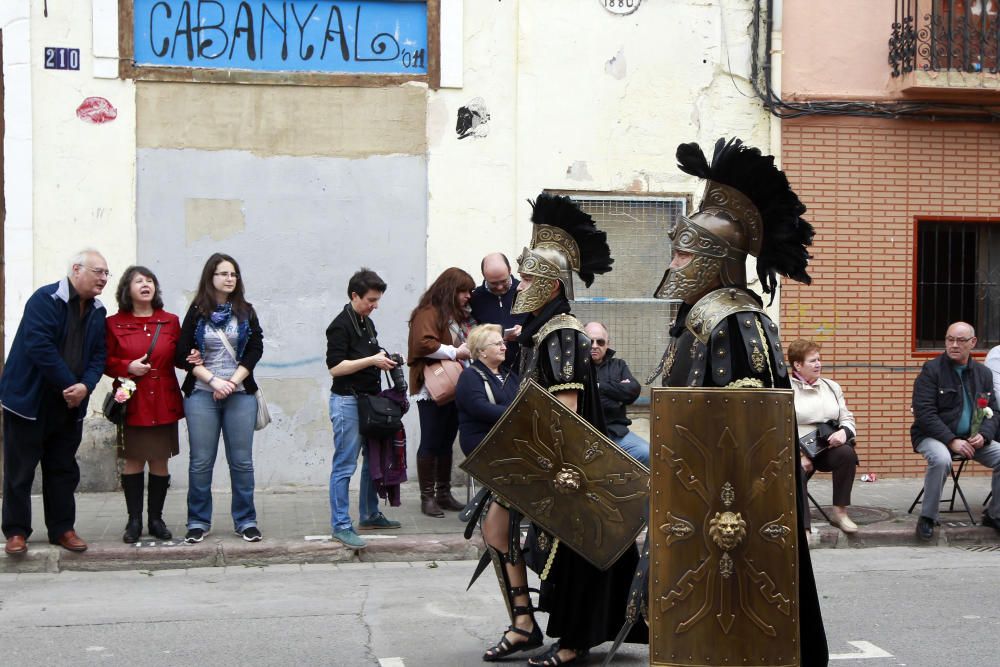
(227, 274)
(599, 342)
(99, 272)
(956, 339)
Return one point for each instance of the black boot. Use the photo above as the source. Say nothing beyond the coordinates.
(425, 475)
(132, 486)
(442, 485)
(157, 494)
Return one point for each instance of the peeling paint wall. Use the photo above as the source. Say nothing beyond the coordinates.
(596, 103)
(305, 184)
(83, 170)
(302, 200)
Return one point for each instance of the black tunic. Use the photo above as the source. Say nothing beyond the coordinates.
(586, 606)
(692, 365)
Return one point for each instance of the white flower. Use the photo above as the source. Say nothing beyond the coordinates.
(987, 413)
(127, 384)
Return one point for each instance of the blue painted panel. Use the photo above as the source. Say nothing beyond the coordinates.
(362, 37)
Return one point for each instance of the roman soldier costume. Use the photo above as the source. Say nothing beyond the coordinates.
(579, 478)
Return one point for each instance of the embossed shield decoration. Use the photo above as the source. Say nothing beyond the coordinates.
(556, 469)
(723, 538)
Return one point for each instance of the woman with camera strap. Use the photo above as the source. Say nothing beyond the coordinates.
(355, 361)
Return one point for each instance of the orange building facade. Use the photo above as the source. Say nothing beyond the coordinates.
(907, 209)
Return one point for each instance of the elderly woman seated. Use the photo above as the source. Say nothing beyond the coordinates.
(822, 415)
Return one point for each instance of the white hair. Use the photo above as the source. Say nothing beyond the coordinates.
(81, 257)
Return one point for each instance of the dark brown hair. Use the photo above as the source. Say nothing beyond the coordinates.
(124, 292)
(204, 299)
(799, 350)
(442, 295)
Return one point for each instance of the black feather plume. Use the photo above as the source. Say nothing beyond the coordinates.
(561, 212)
(786, 233)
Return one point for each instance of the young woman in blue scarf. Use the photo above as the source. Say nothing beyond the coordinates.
(223, 329)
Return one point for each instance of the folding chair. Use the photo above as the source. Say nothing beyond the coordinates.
(956, 473)
(818, 508)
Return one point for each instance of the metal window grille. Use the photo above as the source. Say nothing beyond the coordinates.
(637, 234)
(958, 279)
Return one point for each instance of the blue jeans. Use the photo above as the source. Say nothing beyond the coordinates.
(234, 418)
(635, 446)
(346, 448)
(939, 466)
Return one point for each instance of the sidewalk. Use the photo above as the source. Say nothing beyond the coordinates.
(296, 528)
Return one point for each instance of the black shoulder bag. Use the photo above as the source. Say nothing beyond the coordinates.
(378, 417)
(114, 411)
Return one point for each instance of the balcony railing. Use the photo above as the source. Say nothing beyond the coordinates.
(945, 36)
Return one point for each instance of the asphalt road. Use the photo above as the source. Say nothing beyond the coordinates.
(891, 606)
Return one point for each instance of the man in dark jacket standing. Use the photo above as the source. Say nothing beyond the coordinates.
(55, 362)
(618, 389)
(491, 302)
(954, 412)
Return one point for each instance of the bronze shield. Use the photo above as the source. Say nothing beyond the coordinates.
(723, 537)
(553, 466)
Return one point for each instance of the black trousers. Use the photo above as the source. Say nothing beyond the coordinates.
(51, 440)
(843, 463)
(438, 428)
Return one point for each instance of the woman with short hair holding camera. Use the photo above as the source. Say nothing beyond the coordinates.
(356, 361)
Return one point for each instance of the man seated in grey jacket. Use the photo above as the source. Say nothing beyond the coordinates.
(618, 389)
(954, 412)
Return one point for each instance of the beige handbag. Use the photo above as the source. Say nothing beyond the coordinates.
(440, 378)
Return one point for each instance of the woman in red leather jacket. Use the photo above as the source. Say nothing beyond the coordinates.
(155, 406)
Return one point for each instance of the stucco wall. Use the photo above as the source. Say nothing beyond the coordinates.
(17, 178)
(580, 99)
(836, 53)
(313, 184)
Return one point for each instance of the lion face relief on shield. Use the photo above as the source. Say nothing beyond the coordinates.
(727, 529)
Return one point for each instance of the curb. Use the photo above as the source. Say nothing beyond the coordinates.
(225, 552)
(230, 551)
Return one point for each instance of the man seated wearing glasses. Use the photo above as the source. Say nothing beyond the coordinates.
(952, 404)
(618, 389)
(55, 362)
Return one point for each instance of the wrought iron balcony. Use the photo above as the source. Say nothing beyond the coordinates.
(946, 36)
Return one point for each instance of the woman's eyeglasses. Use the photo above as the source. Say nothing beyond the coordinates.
(227, 274)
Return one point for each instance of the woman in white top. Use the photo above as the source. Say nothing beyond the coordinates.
(820, 402)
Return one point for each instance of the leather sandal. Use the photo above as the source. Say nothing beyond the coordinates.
(551, 657)
(506, 647)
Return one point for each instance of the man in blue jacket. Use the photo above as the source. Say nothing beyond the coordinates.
(491, 302)
(952, 397)
(55, 362)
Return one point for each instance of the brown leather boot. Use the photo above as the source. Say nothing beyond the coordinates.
(425, 475)
(442, 486)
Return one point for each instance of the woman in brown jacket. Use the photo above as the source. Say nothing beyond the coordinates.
(438, 328)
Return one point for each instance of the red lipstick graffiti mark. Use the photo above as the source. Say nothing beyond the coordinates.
(96, 110)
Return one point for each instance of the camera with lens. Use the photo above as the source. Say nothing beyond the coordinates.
(397, 374)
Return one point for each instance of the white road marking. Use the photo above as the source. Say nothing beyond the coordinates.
(391, 662)
(96, 648)
(868, 650)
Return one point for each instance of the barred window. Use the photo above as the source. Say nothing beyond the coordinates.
(957, 279)
(623, 299)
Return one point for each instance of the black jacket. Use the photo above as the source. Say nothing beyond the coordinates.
(488, 308)
(938, 400)
(252, 352)
(618, 388)
(476, 414)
